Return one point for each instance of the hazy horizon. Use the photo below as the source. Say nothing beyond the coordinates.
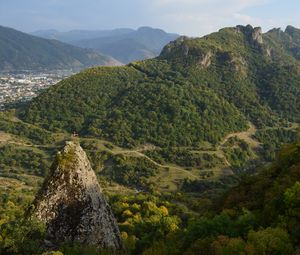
(186, 17)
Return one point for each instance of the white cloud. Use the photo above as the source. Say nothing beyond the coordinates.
(199, 17)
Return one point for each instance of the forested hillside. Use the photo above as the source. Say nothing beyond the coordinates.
(198, 90)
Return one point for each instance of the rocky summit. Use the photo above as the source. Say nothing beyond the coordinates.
(72, 205)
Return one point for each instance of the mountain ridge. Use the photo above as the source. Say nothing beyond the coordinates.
(78, 34)
(125, 45)
(21, 51)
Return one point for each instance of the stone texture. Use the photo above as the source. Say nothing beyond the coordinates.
(72, 205)
(257, 35)
(254, 35)
(205, 61)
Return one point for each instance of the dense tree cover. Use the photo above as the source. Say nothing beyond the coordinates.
(34, 134)
(288, 40)
(143, 219)
(129, 108)
(284, 100)
(204, 187)
(238, 152)
(185, 158)
(197, 90)
(269, 193)
(259, 216)
(17, 235)
(23, 160)
(130, 171)
(273, 139)
(238, 68)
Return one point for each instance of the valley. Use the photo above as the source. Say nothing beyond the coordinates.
(188, 128)
(16, 88)
(169, 176)
(195, 149)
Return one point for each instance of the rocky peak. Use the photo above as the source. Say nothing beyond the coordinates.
(290, 29)
(257, 35)
(254, 34)
(183, 49)
(276, 31)
(72, 205)
(179, 46)
(294, 33)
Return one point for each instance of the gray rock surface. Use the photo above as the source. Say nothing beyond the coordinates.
(254, 34)
(257, 35)
(72, 205)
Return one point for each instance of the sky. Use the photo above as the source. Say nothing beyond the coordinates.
(186, 17)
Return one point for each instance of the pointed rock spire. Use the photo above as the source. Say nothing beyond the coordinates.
(72, 205)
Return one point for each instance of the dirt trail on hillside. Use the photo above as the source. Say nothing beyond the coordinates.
(4, 137)
(139, 153)
(247, 136)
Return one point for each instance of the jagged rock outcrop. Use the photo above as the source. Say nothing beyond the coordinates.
(179, 45)
(72, 205)
(205, 61)
(254, 34)
(257, 35)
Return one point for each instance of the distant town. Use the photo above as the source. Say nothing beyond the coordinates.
(24, 86)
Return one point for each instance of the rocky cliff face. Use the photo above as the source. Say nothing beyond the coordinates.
(254, 34)
(72, 205)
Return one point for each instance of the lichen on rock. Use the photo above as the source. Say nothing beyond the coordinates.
(72, 205)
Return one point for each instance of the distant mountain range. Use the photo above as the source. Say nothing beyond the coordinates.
(79, 35)
(21, 51)
(125, 45)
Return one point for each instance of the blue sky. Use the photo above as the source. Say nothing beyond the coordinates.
(189, 17)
